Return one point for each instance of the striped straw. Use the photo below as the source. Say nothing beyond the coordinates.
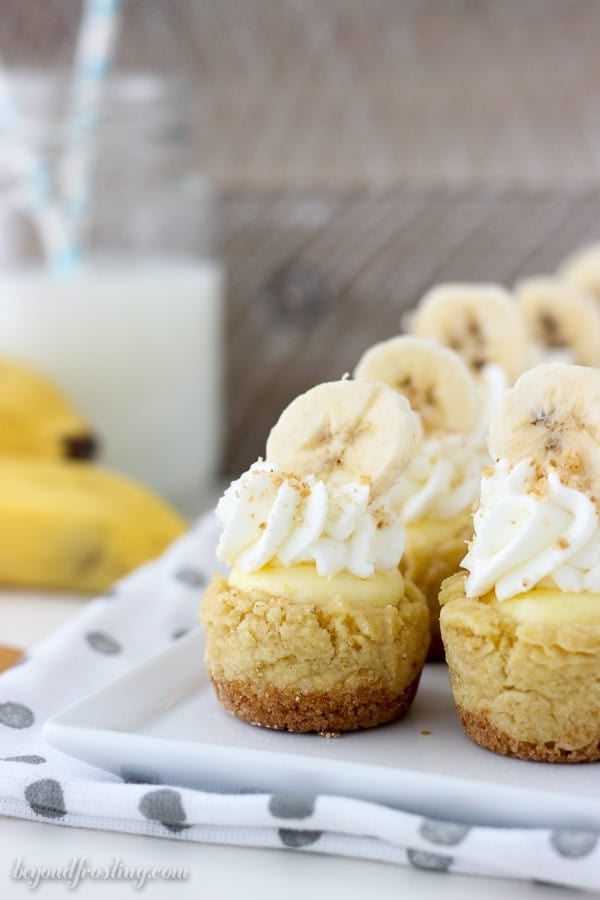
(47, 218)
(98, 33)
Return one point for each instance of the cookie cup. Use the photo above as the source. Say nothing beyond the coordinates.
(289, 649)
(525, 672)
(434, 550)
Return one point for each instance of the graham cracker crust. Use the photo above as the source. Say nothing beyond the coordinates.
(479, 728)
(326, 713)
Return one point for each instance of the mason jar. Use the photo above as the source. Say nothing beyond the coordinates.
(111, 282)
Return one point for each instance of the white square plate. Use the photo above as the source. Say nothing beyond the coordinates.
(162, 723)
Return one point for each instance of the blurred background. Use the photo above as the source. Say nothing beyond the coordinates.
(362, 152)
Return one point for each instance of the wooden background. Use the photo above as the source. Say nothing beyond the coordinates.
(364, 150)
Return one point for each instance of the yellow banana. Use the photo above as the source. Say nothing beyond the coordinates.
(37, 420)
(73, 527)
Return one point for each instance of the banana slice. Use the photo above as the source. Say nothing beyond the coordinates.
(434, 379)
(480, 321)
(552, 416)
(561, 318)
(344, 431)
(582, 269)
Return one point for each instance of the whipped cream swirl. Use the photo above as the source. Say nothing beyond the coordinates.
(269, 516)
(529, 531)
(441, 480)
(492, 383)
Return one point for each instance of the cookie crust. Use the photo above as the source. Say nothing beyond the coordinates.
(329, 713)
(482, 731)
(528, 689)
(304, 666)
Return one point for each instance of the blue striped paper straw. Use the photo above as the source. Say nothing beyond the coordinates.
(41, 206)
(98, 32)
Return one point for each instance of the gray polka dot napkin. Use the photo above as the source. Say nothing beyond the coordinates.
(141, 616)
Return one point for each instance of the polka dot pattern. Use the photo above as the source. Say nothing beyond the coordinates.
(164, 806)
(574, 844)
(433, 862)
(103, 643)
(16, 715)
(292, 837)
(32, 759)
(45, 797)
(446, 833)
(191, 577)
(179, 633)
(139, 777)
(284, 806)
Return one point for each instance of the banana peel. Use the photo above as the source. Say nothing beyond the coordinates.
(37, 420)
(76, 528)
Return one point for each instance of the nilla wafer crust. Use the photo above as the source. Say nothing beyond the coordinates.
(287, 709)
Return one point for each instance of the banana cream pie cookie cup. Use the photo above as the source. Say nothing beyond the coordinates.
(316, 629)
(436, 491)
(521, 628)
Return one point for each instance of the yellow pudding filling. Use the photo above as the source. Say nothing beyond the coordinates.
(302, 583)
(553, 607)
(427, 533)
(434, 550)
(548, 606)
(525, 672)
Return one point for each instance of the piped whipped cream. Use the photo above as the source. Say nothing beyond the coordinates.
(272, 517)
(532, 530)
(492, 384)
(441, 480)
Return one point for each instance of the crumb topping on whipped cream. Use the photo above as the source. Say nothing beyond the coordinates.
(531, 528)
(272, 517)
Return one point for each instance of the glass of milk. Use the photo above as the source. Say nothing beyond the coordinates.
(134, 332)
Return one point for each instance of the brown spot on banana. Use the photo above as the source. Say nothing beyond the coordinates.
(550, 331)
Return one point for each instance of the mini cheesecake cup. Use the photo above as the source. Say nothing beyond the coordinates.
(525, 673)
(334, 665)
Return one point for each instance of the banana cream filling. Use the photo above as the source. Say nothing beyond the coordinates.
(530, 533)
(274, 518)
(547, 606)
(303, 584)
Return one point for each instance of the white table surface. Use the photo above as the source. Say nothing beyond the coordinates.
(215, 872)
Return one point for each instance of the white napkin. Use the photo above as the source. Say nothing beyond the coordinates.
(140, 617)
